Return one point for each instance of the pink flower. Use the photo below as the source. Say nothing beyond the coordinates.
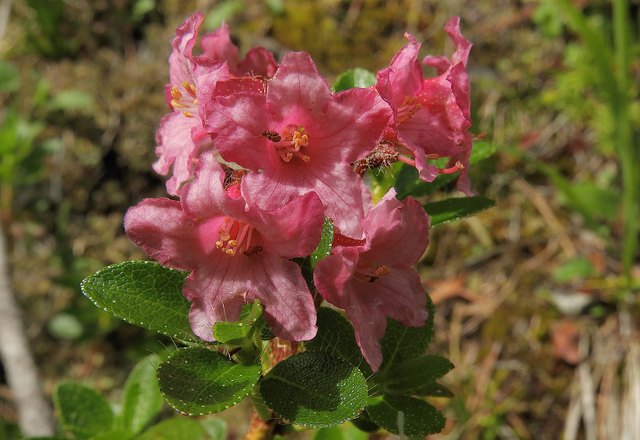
(234, 255)
(181, 137)
(431, 115)
(296, 136)
(377, 279)
(257, 62)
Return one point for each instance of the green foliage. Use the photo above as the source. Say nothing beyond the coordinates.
(575, 269)
(326, 241)
(197, 381)
(85, 414)
(237, 333)
(606, 69)
(82, 411)
(445, 211)
(178, 428)
(315, 389)
(65, 326)
(342, 432)
(142, 293)
(406, 370)
(44, 33)
(416, 375)
(408, 183)
(71, 100)
(222, 12)
(405, 415)
(141, 400)
(358, 77)
(335, 336)
(9, 77)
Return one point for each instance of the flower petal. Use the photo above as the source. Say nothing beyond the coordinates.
(162, 230)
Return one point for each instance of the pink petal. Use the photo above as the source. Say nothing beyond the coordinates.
(172, 138)
(180, 60)
(397, 232)
(218, 290)
(369, 325)
(162, 230)
(205, 196)
(291, 230)
(297, 90)
(217, 45)
(259, 62)
(403, 77)
(288, 304)
(332, 275)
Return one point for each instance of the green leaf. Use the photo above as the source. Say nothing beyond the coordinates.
(335, 336)
(400, 343)
(9, 77)
(116, 434)
(236, 333)
(177, 428)
(216, 428)
(143, 293)
(343, 432)
(82, 410)
(448, 210)
(315, 389)
(222, 12)
(435, 389)
(353, 78)
(591, 201)
(142, 400)
(575, 269)
(416, 375)
(65, 326)
(333, 433)
(408, 182)
(141, 8)
(326, 241)
(481, 150)
(364, 424)
(67, 100)
(197, 381)
(405, 415)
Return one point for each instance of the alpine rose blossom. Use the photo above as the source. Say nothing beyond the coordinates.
(181, 137)
(377, 280)
(431, 115)
(234, 254)
(296, 136)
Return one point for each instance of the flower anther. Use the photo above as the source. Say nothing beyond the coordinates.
(235, 236)
(186, 103)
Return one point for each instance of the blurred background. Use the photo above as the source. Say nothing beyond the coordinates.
(534, 298)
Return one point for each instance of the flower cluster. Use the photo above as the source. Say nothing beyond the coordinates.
(258, 153)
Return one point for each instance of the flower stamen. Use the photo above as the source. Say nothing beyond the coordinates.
(410, 105)
(371, 273)
(186, 101)
(289, 144)
(234, 236)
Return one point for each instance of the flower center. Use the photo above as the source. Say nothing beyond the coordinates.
(185, 102)
(235, 236)
(410, 105)
(290, 143)
(371, 272)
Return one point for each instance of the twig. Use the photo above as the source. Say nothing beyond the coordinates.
(34, 414)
